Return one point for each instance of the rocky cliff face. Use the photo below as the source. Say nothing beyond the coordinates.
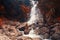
(51, 9)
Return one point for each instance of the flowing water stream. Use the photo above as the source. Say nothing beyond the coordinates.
(35, 16)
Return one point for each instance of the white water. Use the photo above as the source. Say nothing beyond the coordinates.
(35, 13)
(33, 35)
(35, 16)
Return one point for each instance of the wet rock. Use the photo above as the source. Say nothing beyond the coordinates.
(56, 34)
(55, 37)
(44, 30)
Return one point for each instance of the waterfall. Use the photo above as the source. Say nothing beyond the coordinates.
(35, 16)
(35, 13)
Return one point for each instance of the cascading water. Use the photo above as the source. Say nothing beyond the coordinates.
(35, 16)
(35, 13)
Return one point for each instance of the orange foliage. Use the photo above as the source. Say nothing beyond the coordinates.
(1, 21)
(58, 19)
(25, 9)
